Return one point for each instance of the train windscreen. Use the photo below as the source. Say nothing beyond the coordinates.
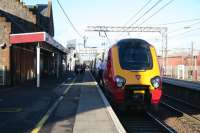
(135, 56)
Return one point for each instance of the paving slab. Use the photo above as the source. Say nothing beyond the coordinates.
(92, 114)
(83, 110)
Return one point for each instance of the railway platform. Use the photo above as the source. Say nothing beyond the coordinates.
(83, 108)
(185, 91)
(182, 83)
(94, 114)
(74, 104)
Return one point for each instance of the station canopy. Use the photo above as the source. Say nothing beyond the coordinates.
(34, 37)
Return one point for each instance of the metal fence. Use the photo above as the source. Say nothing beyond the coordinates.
(183, 72)
(2, 75)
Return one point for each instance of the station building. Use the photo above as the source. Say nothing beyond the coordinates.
(27, 48)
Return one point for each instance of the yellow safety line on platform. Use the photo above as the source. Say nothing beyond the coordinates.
(10, 110)
(46, 116)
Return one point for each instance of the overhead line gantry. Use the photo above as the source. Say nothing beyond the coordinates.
(161, 30)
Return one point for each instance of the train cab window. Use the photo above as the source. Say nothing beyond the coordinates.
(135, 56)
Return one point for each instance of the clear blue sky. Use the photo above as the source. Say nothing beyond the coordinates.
(116, 12)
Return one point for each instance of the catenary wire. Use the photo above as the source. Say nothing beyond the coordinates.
(143, 7)
(156, 12)
(107, 38)
(74, 28)
(178, 29)
(146, 12)
(177, 22)
(196, 29)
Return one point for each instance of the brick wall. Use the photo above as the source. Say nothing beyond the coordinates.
(16, 8)
(44, 17)
(5, 29)
(18, 18)
(180, 60)
(22, 19)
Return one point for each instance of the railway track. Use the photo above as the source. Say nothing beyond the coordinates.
(174, 115)
(183, 107)
(142, 122)
(189, 113)
(135, 121)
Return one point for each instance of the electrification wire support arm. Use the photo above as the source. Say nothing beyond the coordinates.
(161, 30)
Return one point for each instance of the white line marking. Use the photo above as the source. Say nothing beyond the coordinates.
(113, 116)
(67, 89)
(49, 112)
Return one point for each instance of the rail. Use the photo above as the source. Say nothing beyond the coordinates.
(162, 124)
(143, 121)
(192, 120)
(185, 108)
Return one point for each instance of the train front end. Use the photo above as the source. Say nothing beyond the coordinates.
(135, 73)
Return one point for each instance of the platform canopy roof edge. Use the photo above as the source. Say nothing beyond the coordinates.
(27, 38)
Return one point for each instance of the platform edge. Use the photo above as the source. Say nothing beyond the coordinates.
(109, 109)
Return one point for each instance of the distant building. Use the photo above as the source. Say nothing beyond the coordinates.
(181, 65)
(181, 59)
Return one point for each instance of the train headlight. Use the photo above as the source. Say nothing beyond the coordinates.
(120, 81)
(156, 82)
